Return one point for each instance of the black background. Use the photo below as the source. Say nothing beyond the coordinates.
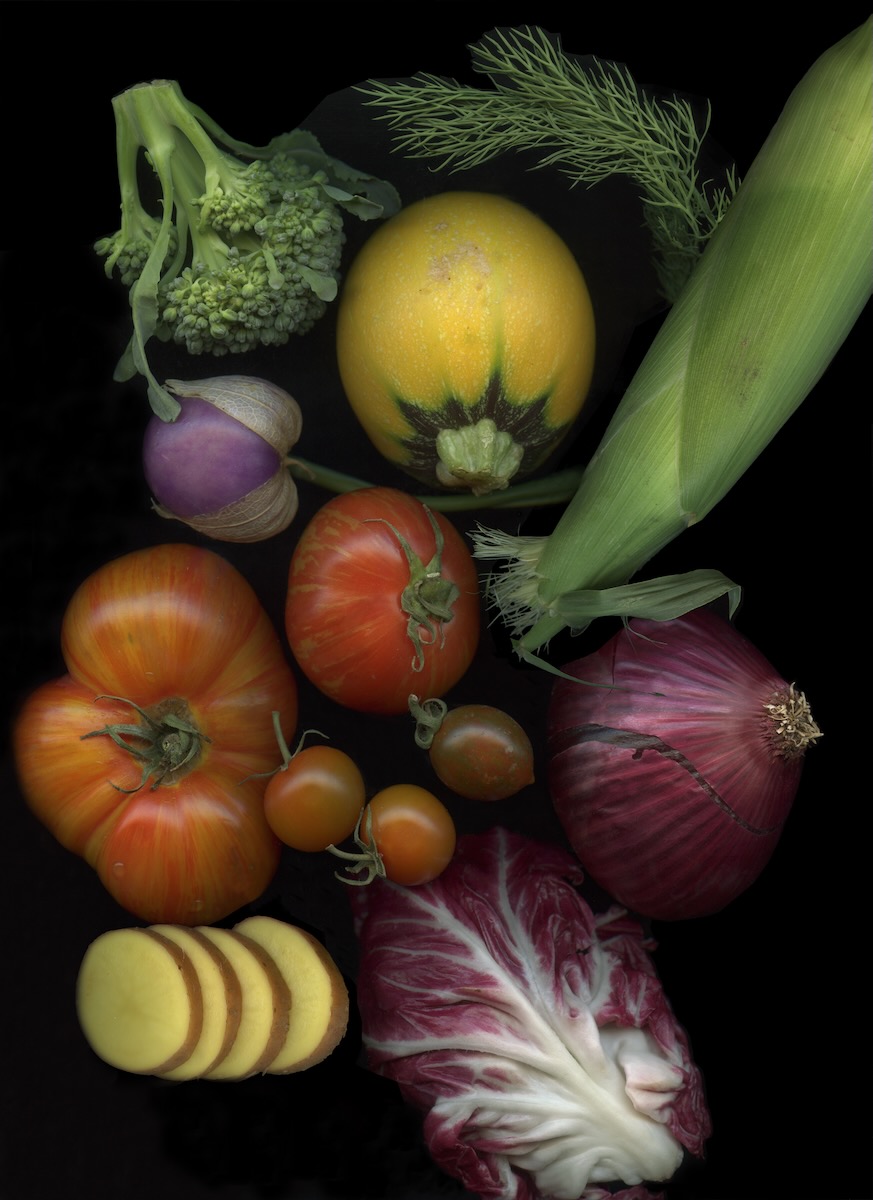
(773, 991)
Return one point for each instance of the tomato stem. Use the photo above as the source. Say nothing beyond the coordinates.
(287, 754)
(428, 718)
(368, 859)
(429, 597)
(170, 741)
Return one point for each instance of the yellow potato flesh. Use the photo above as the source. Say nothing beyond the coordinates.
(265, 1006)
(139, 1001)
(320, 1008)
(222, 1001)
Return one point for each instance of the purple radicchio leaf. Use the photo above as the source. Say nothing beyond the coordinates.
(535, 1037)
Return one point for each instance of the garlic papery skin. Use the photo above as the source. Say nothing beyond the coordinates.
(258, 515)
(220, 466)
(674, 778)
(265, 409)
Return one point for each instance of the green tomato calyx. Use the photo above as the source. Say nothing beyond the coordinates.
(368, 857)
(428, 716)
(288, 755)
(428, 597)
(165, 741)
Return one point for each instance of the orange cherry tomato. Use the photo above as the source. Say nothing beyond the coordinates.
(413, 832)
(314, 801)
(169, 653)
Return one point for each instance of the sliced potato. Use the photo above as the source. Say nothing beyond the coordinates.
(320, 998)
(265, 1006)
(222, 1000)
(139, 1001)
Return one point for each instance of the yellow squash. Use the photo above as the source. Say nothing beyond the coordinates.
(465, 340)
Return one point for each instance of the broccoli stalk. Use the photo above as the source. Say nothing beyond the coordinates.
(245, 246)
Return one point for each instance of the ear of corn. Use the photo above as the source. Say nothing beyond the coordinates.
(777, 290)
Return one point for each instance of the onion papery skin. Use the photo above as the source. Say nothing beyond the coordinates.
(673, 802)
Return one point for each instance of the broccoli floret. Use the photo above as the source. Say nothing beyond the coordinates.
(262, 266)
(244, 245)
(128, 250)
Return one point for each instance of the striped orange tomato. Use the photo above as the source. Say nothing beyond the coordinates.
(140, 759)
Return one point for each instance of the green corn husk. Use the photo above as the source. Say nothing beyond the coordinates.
(780, 285)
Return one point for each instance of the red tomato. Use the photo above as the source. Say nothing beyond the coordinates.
(376, 607)
(315, 800)
(169, 642)
(413, 832)
(482, 753)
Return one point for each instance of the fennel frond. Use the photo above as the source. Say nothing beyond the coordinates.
(585, 116)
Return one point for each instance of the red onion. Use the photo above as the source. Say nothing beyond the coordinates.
(674, 790)
(220, 465)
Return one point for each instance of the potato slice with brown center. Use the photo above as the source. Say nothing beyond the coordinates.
(265, 1006)
(139, 1001)
(320, 998)
(222, 1000)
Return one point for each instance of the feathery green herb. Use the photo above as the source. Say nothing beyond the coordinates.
(585, 116)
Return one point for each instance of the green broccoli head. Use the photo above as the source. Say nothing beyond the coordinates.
(244, 245)
(264, 262)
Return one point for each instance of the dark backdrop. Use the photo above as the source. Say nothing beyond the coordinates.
(773, 990)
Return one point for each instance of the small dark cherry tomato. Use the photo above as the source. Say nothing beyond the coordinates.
(316, 799)
(482, 753)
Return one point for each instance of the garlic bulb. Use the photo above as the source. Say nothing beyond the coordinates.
(220, 465)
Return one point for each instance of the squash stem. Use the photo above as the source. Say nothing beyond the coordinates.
(557, 488)
(480, 457)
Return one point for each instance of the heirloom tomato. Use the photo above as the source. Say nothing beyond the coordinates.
(143, 758)
(383, 600)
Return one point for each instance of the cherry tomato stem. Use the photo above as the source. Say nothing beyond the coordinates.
(406, 835)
